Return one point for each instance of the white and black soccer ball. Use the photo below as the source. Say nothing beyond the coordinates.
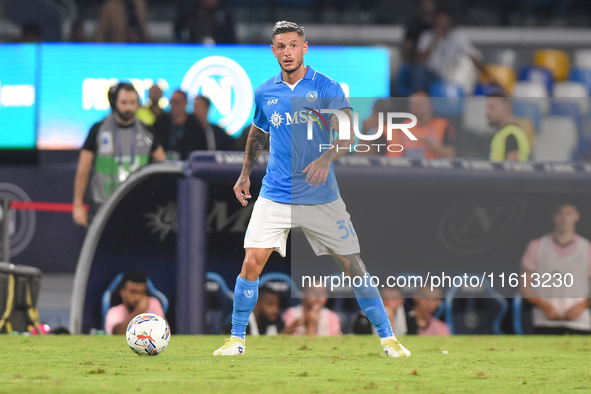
(148, 334)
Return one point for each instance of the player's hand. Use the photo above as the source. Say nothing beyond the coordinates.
(142, 305)
(242, 190)
(293, 326)
(575, 311)
(317, 172)
(551, 312)
(80, 215)
(312, 317)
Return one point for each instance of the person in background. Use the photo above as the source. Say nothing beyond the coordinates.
(435, 135)
(122, 21)
(134, 300)
(265, 319)
(151, 111)
(77, 32)
(438, 52)
(217, 138)
(311, 317)
(420, 319)
(180, 132)
(114, 148)
(422, 22)
(31, 32)
(510, 142)
(204, 22)
(394, 304)
(559, 309)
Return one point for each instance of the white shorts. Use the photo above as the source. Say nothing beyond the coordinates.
(327, 227)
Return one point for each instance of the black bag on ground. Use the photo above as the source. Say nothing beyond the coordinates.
(19, 291)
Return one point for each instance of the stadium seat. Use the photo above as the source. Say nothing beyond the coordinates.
(505, 76)
(475, 310)
(218, 303)
(582, 75)
(535, 92)
(505, 57)
(452, 105)
(572, 110)
(528, 128)
(289, 293)
(538, 74)
(558, 62)
(483, 89)
(522, 316)
(528, 109)
(573, 92)
(474, 118)
(556, 140)
(111, 296)
(582, 58)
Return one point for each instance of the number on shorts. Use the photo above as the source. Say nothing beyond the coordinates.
(347, 228)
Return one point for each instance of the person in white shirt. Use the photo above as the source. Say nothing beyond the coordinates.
(439, 51)
(557, 269)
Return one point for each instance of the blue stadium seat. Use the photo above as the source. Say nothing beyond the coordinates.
(284, 285)
(522, 316)
(528, 109)
(452, 105)
(483, 89)
(582, 75)
(571, 110)
(475, 310)
(538, 74)
(218, 303)
(111, 296)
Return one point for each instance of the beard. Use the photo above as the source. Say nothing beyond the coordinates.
(297, 67)
(124, 116)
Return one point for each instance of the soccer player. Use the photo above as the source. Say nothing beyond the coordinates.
(301, 178)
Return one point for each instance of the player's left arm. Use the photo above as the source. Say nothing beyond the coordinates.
(317, 171)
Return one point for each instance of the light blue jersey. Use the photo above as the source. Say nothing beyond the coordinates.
(281, 110)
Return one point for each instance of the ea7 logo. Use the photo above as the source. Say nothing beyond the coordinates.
(345, 124)
(271, 102)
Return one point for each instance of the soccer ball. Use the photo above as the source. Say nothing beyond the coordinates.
(148, 334)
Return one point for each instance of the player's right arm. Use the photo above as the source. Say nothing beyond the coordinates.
(254, 146)
(82, 173)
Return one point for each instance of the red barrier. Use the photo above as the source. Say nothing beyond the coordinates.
(44, 206)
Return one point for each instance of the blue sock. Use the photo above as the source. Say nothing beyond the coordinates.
(371, 303)
(246, 294)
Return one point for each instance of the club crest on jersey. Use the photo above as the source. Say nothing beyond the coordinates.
(276, 119)
(312, 96)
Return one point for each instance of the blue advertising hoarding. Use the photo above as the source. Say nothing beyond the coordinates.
(18, 63)
(74, 80)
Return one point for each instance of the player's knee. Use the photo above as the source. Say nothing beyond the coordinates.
(357, 266)
(252, 267)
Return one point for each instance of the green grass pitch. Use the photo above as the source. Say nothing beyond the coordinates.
(296, 364)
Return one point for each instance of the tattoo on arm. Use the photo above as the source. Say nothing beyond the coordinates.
(254, 146)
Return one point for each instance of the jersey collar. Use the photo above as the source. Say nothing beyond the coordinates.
(310, 74)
